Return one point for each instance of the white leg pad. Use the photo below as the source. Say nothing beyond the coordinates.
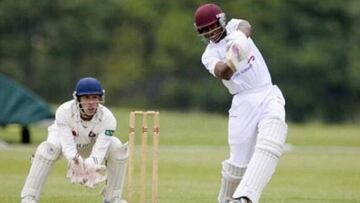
(28, 199)
(116, 170)
(268, 149)
(45, 155)
(231, 177)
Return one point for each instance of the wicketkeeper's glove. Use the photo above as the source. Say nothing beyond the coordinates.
(76, 171)
(95, 172)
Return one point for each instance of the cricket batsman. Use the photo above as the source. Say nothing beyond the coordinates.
(83, 132)
(256, 130)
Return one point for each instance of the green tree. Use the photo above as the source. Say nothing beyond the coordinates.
(147, 53)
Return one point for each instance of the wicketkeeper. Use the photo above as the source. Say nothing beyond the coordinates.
(83, 132)
(257, 128)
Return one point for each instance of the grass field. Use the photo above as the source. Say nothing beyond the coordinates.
(323, 165)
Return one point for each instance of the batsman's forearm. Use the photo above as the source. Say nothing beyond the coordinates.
(223, 71)
(245, 27)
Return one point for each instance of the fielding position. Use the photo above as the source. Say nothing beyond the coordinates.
(83, 133)
(257, 129)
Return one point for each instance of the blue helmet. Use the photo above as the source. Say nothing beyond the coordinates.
(88, 86)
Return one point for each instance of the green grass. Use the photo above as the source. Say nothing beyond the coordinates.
(322, 167)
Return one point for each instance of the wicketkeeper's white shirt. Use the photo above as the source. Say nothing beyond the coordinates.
(74, 133)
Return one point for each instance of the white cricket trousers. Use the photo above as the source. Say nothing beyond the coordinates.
(248, 109)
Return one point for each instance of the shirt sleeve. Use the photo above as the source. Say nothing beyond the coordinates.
(209, 60)
(104, 138)
(66, 138)
(233, 25)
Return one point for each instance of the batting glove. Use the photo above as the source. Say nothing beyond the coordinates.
(238, 49)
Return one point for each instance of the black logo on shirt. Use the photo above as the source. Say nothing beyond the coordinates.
(92, 134)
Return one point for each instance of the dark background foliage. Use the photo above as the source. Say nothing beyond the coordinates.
(147, 53)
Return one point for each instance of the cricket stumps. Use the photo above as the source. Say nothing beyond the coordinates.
(146, 116)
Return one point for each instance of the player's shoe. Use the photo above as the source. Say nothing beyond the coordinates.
(116, 200)
(241, 200)
(28, 199)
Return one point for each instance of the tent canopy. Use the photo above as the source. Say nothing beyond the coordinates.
(18, 105)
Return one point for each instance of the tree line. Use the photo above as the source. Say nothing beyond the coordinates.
(147, 53)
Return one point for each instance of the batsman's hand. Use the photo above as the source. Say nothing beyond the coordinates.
(95, 172)
(238, 49)
(76, 171)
